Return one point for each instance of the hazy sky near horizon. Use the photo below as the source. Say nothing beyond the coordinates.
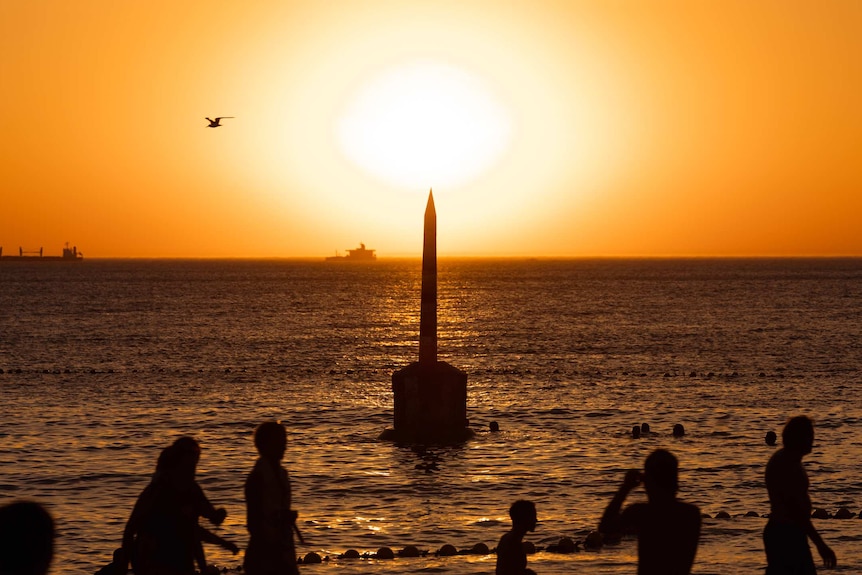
(571, 128)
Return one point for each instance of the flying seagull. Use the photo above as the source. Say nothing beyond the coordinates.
(217, 122)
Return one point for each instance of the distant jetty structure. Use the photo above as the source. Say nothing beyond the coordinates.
(430, 396)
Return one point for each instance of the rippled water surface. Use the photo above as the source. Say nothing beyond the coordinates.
(105, 362)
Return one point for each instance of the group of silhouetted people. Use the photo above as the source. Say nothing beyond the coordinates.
(163, 535)
(668, 530)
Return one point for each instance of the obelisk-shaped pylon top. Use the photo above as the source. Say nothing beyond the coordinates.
(429, 208)
(429, 396)
(428, 309)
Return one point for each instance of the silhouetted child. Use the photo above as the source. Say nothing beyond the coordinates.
(668, 530)
(117, 566)
(785, 537)
(270, 519)
(511, 557)
(26, 539)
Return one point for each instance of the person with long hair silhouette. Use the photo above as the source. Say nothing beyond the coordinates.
(162, 535)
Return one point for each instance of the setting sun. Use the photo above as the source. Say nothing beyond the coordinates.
(549, 128)
(424, 123)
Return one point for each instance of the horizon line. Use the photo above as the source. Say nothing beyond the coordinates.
(418, 256)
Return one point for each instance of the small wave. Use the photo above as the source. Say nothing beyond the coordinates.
(488, 523)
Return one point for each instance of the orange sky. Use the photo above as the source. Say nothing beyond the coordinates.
(594, 128)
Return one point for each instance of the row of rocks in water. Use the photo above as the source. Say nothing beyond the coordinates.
(842, 513)
(566, 545)
(593, 540)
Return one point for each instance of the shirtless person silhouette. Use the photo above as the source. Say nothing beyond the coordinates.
(511, 557)
(668, 530)
(789, 526)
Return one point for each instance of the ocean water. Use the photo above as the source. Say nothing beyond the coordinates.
(107, 361)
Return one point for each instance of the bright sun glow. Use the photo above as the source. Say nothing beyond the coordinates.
(424, 124)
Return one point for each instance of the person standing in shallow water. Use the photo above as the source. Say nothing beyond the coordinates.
(511, 557)
(162, 535)
(789, 527)
(668, 530)
(270, 519)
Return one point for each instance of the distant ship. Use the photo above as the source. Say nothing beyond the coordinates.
(360, 254)
(69, 255)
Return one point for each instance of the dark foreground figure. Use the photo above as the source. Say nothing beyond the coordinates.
(270, 519)
(511, 557)
(668, 530)
(789, 527)
(26, 539)
(162, 535)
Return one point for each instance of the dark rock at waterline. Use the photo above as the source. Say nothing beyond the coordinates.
(564, 545)
(594, 540)
(350, 554)
(409, 551)
(447, 551)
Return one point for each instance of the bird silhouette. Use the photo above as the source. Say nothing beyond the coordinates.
(217, 122)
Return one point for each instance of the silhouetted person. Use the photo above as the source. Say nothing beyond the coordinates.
(117, 566)
(771, 438)
(270, 519)
(789, 526)
(494, 426)
(26, 539)
(636, 432)
(645, 429)
(162, 535)
(511, 557)
(667, 529)
(678, 430)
